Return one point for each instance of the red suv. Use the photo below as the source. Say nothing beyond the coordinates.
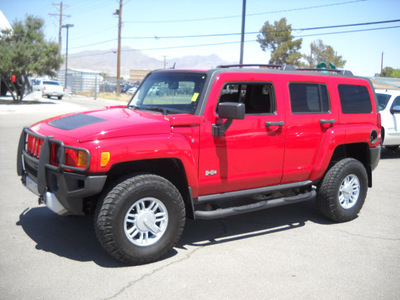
(190, 142)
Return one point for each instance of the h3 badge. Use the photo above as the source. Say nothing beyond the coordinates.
(211, 172)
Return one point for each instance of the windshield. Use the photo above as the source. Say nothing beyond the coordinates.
(169, 93)
(383, 100)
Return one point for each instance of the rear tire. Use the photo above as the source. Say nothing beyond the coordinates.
(140, 219)
(343, 190)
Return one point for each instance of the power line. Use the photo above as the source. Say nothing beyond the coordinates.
(248, 33)
(348, 31)
(256, 32)
(252, 14)
(94, 44)
(233, 42)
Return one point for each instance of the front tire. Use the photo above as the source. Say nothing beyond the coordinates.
(140, 219)
(343, 190)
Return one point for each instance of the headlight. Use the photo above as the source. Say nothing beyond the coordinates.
(76, 158)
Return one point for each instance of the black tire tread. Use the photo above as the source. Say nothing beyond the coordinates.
(327, 201)
(107, 209)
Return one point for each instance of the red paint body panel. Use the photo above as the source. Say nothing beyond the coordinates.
(249, 155)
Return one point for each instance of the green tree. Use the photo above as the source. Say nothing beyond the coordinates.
(25, 52)
(390, 72)
(322, 53)
(279, 39)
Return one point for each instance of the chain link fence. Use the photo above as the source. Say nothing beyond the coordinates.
(89, 83)
(76, 81)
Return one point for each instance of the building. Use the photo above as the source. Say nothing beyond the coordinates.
(137, 75)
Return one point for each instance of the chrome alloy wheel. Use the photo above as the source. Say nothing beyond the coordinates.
(146, 222)
(349, 191)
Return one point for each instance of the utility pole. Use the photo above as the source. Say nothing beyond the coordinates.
(60, 15)
(119, 13)
(242, 35)
(382, 63)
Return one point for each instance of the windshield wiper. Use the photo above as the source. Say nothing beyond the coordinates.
(153, 108)
(163, 110)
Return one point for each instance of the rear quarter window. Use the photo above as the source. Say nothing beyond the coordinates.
(309, 98)
(354, 99)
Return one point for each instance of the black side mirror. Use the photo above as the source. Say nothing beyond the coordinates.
(395, 109)
(229, 111)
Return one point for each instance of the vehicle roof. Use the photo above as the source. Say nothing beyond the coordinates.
(277, 69)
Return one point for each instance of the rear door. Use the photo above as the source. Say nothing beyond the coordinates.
(309, 116)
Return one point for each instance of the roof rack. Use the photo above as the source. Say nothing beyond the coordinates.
(287, 68)
(343, 72)
(278, 67)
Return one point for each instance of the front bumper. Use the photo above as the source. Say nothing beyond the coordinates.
(62, 188)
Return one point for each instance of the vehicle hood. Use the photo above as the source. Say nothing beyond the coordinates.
(103, 124)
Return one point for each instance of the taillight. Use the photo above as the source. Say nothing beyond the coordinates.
(63, 89)
(379, 124)
(379, 121)
(44, 88)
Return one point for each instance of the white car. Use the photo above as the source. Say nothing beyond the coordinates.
(132, 90)
(389, 107)
(49, 88)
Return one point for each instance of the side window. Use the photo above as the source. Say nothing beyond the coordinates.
(309, 98)
(396, 102)
(354, 99)
(259, 98)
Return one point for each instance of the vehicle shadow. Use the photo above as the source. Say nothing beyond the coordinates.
(74, 238)
(390, 154)
(202, 233)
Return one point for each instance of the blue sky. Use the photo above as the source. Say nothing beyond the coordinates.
(96, 28)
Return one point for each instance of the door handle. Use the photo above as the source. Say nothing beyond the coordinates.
(332, 121)
(269, 124)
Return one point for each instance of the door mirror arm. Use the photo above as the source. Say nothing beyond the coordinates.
(229, 111)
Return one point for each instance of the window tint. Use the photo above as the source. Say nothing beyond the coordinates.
(383, 100)
(50, 83)
(258, 97)
(354, 99)
(309, 98)
(396, 102)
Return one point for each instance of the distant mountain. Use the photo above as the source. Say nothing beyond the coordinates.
(131, 59)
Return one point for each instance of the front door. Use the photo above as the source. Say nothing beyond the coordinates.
(250, 153)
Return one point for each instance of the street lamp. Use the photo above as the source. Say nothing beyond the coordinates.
(66, 53)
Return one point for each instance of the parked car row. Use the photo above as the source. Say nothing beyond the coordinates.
(111, 87)
(389, 107)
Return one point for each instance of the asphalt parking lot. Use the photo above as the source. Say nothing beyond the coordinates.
(289, 252)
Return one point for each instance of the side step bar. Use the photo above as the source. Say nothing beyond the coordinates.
(231, 211)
